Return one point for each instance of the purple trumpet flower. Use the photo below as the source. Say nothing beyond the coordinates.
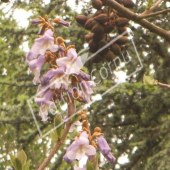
(79, 148)
(30, 56)
(44, 43)
(86, 89)
(50, 74)
(45, 103)
(36, 21)
(72, 62)
(105, 149)
(35, 66)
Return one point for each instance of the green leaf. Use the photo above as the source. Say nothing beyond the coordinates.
(93, 164)
(148, 80)
(27, 165)
(22, 157)
(89, 165)
(57, 121)
(75, 119)
(150, 3)
(16, 163)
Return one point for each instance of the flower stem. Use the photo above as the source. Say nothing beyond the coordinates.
(60, 142)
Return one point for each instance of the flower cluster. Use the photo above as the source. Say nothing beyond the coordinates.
(85, 144)
(64, 77)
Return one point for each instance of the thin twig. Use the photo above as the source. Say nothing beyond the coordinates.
(162, 84)
(153, 14)
(58, 143)
(134, 17)
(152, 8)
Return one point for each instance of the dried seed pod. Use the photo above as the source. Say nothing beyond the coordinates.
(102, 18)
(100, 11)
(112, 15)
(97, 58)
(115, 48)
(109, 56)
(119, 1)
(109, 27)
(93, 46)
(98, 29)
(122, 41)
(81, 19)
(121, 22)
(90, 23)
(102, 44)
(88, 37)
(98, 37)
(128, 3)
(121, 30)
(97, 4)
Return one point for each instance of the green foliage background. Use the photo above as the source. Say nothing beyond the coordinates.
(135, 118)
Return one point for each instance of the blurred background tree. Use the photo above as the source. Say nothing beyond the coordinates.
(134, 117)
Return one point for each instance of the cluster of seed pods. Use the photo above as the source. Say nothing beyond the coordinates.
(104, 23)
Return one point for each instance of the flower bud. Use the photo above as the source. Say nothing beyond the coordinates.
(123, 40)
(121, 22)
(81, 19)
(90, 23)
(97, 4)
(97, 129)
(61, 22)
(102, 18)
(36, 21)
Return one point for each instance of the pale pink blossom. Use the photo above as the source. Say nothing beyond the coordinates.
(79, 148)
(78, 168)
(46, 42)
(86, 87)
(46, 103)
(35, 66)
(72, 62)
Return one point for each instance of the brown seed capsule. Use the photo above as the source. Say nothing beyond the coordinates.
(121, 30)
(115, 48)
(119, 1)
(100, 11)
(128, 3)
(90, 23)
(121, 22)
(98, 29)
(109, 56)
(97, 58)
(93, 46)
(81, 19)
(98, 37)
(122, 41)
(97, 4)
(102, 18)
(102, 45)
(88, 37)
(109, 27)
